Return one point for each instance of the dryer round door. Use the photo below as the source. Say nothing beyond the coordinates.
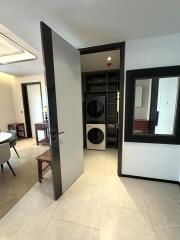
(95, 108)
(95, 135)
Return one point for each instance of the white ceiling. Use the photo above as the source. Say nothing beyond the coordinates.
(91, 22)
(98, 61)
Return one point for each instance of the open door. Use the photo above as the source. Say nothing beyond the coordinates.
(63, 84)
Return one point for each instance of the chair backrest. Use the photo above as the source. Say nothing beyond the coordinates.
(5, 153)
(13, 132)
(13, 138)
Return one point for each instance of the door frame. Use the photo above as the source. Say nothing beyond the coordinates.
(47, 50)
(25, 100)
(109, 47)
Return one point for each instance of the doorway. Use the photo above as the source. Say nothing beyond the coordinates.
(63, 81)
(115, 71)
(33, 106)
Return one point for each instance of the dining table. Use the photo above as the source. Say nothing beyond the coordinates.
(4, 137)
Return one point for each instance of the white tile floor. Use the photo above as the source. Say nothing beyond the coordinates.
(98, 206)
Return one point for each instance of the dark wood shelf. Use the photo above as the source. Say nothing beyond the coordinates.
(104, 82)
(19, 128)
(113, 91)
(111, 126)
(92, 82)
(111, 139)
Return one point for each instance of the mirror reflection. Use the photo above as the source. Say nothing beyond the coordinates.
(155, 105)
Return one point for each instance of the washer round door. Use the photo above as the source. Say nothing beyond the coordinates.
(95, 108)
(95, 135)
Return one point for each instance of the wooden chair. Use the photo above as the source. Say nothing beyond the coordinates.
(41, 159)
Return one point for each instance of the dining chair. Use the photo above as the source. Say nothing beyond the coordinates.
(13, 141)
(5, 155)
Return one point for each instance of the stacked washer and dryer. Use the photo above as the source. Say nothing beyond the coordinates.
(96, 122)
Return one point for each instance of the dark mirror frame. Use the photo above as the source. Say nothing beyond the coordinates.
(131, 76)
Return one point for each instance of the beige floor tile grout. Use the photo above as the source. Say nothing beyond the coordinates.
(117, 206)
(175, 226)
(151, 224)
(64, 220)
(102, 196)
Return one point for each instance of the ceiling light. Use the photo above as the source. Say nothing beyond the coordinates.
(109, 59)
(10, 52)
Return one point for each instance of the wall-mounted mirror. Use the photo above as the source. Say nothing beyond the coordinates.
(152, 109)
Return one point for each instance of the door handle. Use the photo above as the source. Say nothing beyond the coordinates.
(56, 133)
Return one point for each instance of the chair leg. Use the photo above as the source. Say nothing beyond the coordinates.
(11, 168)
(16, 152)
(2, 169)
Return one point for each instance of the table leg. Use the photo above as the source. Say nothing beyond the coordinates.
(39, 170)
(36, 132)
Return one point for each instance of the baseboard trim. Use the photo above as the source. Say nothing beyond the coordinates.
(150, 179)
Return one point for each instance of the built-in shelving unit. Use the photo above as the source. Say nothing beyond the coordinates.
(107, 83)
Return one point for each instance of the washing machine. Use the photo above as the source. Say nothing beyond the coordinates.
(96, 136)
(95, 108)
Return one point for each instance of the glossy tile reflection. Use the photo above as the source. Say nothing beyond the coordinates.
(98, 206)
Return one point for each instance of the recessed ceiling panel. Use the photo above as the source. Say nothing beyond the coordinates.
(8, 47)
(10, 52)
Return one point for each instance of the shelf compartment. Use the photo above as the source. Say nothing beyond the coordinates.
(112, 97)
(96, 88)
(112, 119)
(109, 139)
(111, 132)
(112, 109)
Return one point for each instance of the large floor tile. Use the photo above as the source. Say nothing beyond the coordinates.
(124, 224)
(123, 192)
(158, 190)
(58, 229)
(164, 215)
(95, 162)
(91, 179)
(30, 230)
(81, 204)
(168, 233)
(29, 215)
(111, 162)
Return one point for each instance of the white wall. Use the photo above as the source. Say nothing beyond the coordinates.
(11, 103)
(7, 110)
(152, 160)
(17, 93)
